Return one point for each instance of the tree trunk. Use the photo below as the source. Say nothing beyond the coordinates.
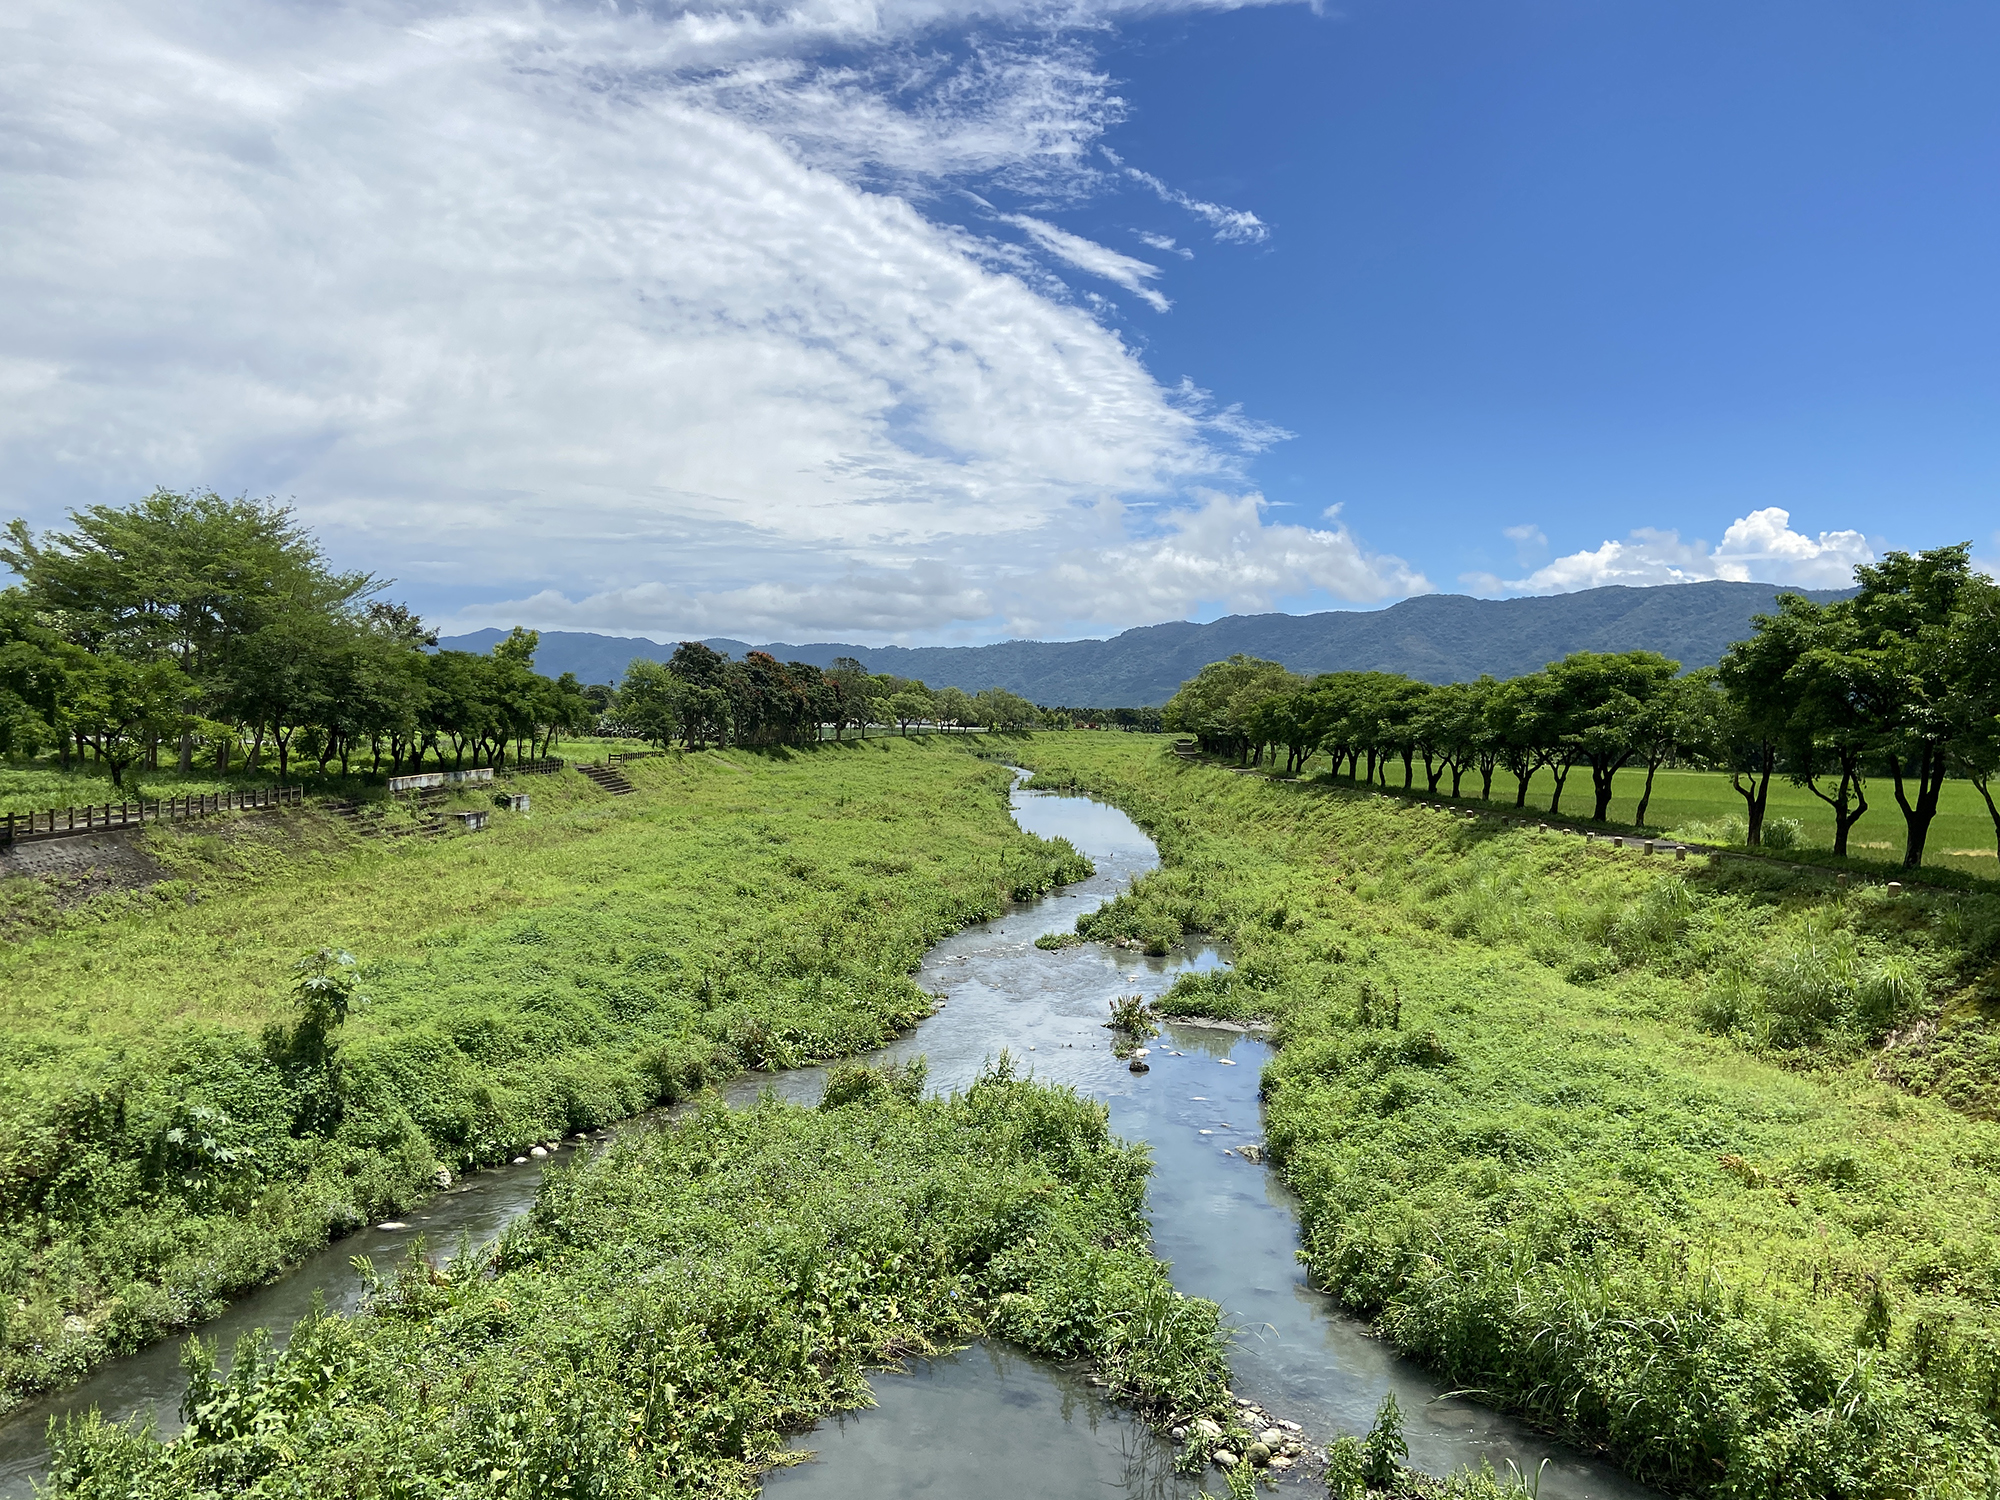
(1601, 779)
(1646, 796)
(1561, 774)
(187, 754)
(1756, 793)
(1917, 817)
(1984, 783)
(1409, 767)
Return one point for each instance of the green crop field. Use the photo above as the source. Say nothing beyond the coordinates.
(172, 1131)
(1701, 805)
(1692, 1163)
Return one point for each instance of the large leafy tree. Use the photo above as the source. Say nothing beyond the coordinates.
(1602, 701)
(187, 577)
(1911, 669)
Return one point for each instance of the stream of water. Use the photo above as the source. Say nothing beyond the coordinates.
(990, 1422)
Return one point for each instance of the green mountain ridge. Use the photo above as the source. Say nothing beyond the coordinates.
(1435, 637)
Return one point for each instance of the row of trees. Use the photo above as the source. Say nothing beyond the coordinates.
(699, 696)
(217, 628)
(1900, 682)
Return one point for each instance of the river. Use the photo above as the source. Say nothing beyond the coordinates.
(990, 1422)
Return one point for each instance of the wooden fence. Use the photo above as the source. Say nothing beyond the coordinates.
(96, 817)
(548, 765)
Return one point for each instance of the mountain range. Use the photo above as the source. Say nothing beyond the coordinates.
(1435, 637)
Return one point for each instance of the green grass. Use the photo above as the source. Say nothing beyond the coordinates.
(675, 1306)
(169, 1136)
(1700, 805)
(1693, 1163)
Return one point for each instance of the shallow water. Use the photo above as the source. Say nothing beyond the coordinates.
(989, 1421)
(1228, 1227)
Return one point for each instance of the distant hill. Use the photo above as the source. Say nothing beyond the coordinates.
(1438, 637)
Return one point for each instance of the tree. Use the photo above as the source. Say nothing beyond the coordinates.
(706, 707)
(1755, 674)
(651, 701)
(121, 706)
(1910, 671)
(911, 706)
(187, 577)
(1602, 701)
(954, 707)
(1976, 734)
(1213, 704)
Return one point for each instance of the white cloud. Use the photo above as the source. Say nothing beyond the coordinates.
(1088, 255)
(1527, 535)
(1163, 243)
(628, 305)
(1216, 552)
(1760, 547)
(1231, 225)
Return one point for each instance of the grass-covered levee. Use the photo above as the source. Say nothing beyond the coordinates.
(676, 1304)
(1694, 1163)
(176, 1126)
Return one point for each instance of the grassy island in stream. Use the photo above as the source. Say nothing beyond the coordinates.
(677, 1303)
(169, 1135)
(1693, 1163)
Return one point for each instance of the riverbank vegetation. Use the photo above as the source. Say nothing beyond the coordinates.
(1898, 683)
(173, 1128)
(677, 1304)
(1693, 1162)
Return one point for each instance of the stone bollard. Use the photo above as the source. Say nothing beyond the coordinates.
(1648, 846)
(1840, 880)
(1680, 852)
(1895, 889)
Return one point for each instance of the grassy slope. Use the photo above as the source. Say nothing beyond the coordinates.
(1606, 1139)
(164, 1141)
(677, 1304)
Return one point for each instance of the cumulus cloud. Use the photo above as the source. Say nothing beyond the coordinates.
(593, 309)
(1216, 552)
(1760, 547)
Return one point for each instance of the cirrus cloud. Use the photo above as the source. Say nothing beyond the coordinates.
(642, 306)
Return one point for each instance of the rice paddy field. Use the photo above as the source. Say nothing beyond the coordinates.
(1702, 806)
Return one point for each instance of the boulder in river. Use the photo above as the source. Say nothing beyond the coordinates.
(538, 1151)
(1138, 1067)
(441, 1177)
(1258, 1454)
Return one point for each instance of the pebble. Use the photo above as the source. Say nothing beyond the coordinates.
(1224, 1459)
(1207, 1427)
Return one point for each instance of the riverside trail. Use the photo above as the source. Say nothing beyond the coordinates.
(967, 1424)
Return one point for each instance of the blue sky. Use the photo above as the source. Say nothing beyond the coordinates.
(1590, 267)
(920, 323)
